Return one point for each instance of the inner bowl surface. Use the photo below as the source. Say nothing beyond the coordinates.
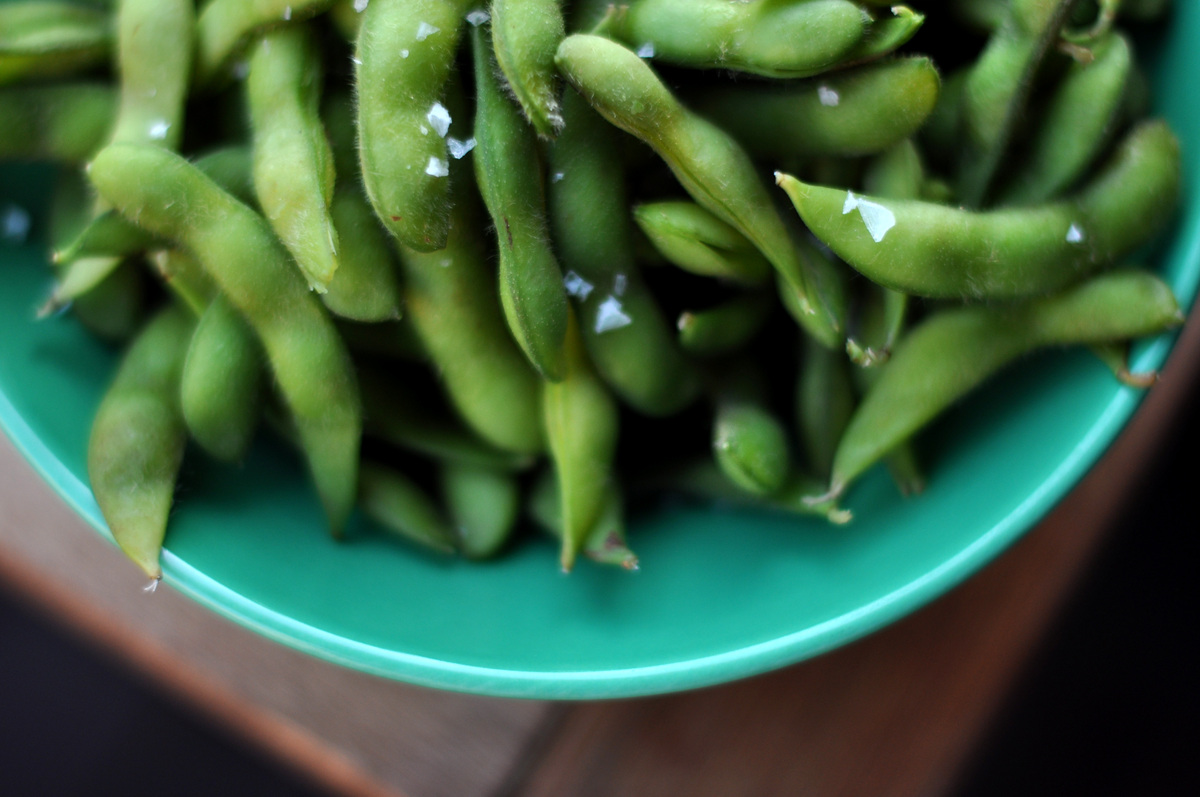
(722, 593)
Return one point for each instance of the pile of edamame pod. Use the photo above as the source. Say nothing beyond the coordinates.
(480, 262)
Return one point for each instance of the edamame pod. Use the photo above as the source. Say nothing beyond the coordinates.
(856, 112)
(222, 382)
(509, 173)
(43, 39)
(366, 286)
(155, 42)
(885, 35)
(824, 402)
(703, 479)
(698, 242)
(403, 58)
(939, 251)
(623, 328)
(998, 86)
(605, 542)
(225, 27)
(1080, 117)
(763, 37)
(173, 199)
(185, 277)
(393, 501)
(66, 123)
(525, 34)
(725, 328)
(110, 234)
(293, 165)
(749, 443)
(483, 504)
(581, 427)
(1116, 357)
(138, 438)
(709, 164)
(450, 298)
(896, 174)
(394, 416)
(955, 350)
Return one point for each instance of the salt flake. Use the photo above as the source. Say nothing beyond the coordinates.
(828, 97)
(646, 50)
(425, 30)
(877, 218)
(610, 316)
(478, 17)
(1075, 234)
(459, 148)
(577, 286)
(439, 119)
(437, 168)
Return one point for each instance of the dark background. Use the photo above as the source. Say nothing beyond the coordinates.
(1108, 705)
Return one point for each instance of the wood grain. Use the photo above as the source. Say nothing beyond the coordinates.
(355, 733)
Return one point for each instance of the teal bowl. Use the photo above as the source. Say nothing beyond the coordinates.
(722, 594)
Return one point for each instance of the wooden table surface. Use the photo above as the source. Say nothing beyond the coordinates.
(897, 713)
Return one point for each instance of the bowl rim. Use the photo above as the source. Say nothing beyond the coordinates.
(689, 673)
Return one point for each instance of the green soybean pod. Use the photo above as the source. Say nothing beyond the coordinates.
(623, 328)
(725, 328)
(222, 382)
(525, 34)
(605, 543)
(366, 286)
(710, 165)
(1144, 10)
(173, 199)
(509, 173)
(703, 479)
(855, 112)
(698, 242)
(938, 251)
(76, 279)
(450, 299)
(1080, 118)
(115, 308)
(953, 351)
(581, 426)
(1115, 357)
(43, 39)
(155, 43)
(138, 438)
(225, 27)
(66, 123)
(998, 87)
(766, 37)
(293, 164)
(402, 420)
(897, 174)
(395, 502)
(403, 59)
(183, 276)
(110, 234)
(824, 402)
(885, 35)
(750, 446)
(985, 16)
(483, 503)
(346, 16)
